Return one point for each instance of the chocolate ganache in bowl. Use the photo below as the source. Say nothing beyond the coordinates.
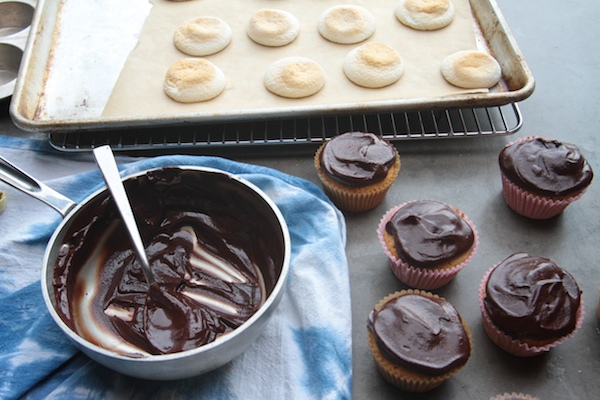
(219, 250)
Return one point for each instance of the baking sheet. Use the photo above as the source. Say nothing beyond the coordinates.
(92, 76)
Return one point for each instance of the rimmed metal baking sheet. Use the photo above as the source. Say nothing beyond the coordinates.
(50, 52)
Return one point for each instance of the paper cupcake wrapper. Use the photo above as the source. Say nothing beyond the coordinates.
(423, 278)
(534, 206)
(517, 347)
(406, 383)
(513, 396)
(355, 202)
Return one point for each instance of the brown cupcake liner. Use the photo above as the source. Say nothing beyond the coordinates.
(356, 202)
(409, 383)
(423, 278)
(356, 199)
(402, 377)
(518, 347)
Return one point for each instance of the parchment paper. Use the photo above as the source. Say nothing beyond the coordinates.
(139, 88)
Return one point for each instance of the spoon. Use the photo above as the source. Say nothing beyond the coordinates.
(108, 166)
(164, 315)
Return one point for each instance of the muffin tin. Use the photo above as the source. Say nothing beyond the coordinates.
(15, 23)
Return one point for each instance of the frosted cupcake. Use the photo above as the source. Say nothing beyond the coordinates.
(541, 177)
(529, 305)
(418, 340)
(427, 242)
(357, 169)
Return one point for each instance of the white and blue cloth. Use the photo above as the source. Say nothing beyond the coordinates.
(305, 352)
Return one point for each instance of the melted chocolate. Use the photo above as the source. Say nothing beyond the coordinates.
(357, 158)
(422, 333)
(428, 233)
(532, 298)
(214, 249)
(546, 167)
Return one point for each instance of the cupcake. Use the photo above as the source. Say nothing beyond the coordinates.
(529, 305)
(357, 169)
(418, 340)
(541, 177)
(513, 396)
(427, 242)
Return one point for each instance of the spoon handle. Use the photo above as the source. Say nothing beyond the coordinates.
(108, 166)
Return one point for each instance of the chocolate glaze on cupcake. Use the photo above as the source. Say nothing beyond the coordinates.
(528, 300)
(357, 169)
(542, 176)
(427, 242)
(547, 167)
(427, 234)
(418, 340)
(357, 158)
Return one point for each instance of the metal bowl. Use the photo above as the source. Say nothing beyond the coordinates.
(15, 20)
(204, 358)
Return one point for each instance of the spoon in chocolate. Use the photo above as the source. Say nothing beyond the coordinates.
(164, 318)
(110, 172)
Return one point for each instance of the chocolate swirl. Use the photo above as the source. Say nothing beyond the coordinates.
(357, 158)
(532, 298)
(546, 167)
(428, 233)
(422, 333)
(213, 248)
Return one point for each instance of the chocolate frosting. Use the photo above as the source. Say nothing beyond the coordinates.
(530, 297)
(357, 158)
(422, 333)
(546, 167)
(214, 250)
(428, 233)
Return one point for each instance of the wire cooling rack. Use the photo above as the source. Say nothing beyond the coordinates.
(206, 138)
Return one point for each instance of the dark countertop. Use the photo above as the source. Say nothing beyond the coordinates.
(560, 44)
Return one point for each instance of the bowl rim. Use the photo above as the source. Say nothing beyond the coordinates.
(274, 296)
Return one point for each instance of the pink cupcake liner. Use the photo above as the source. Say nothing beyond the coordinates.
(517, 347)
(534, 206)
(423, 278)
(513, 396)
